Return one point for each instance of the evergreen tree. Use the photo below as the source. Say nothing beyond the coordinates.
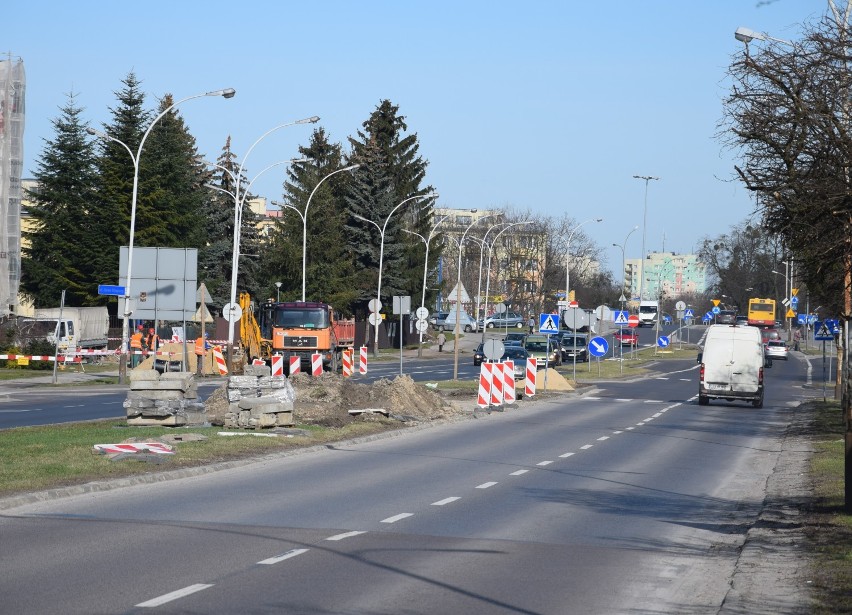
(328, 275)
(58, 253)
(398, 174)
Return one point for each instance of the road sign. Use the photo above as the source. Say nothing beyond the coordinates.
(680, 306)
(548, 323)
(598, 346)
(375, 305)
(573, 304)
(689, 313)
(794, 291)
(715, 309)
(422, 313)
(619, 317)
(833, 325)
(493, 349)
(663, 341)
(822, 332)
(633, 320)
(575, 318)
(794, 301)
(790, 313)
(716, 302)
(707, 317)
(421, 325)
(114, 291)
(232, 312)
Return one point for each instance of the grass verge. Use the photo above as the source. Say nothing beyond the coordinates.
(828, 528)
(38, 458)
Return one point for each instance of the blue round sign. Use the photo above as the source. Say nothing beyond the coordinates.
(715, 309)
(663, 341)
(598, 346)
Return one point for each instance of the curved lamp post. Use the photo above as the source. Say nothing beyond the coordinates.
(647, 179)
(304, 217)
(427, 241)
(382, 229)
(623, 247)
(568, 256)
(125, 325)
(238, 216)
(458, 294)
(488, 274)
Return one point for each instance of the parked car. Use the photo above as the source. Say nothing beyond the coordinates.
(512, 353)
(726, 317)
(776, 349)
(437, 319)
(514, 336)
(541, 348)
(627, 338)
(506, 319)
(574, 347)
(446, 321)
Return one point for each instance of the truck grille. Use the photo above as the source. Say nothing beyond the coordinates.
(302, 341)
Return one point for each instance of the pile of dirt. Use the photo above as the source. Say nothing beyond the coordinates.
(327, 400)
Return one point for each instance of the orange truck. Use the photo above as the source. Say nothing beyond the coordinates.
(295, 328)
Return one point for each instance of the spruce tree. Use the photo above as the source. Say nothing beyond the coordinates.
(58, 253)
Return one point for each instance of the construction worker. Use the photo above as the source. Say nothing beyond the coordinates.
(152, 341)
(200, 351)
(136, 347)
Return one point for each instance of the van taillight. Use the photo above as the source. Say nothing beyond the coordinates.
(701, 372)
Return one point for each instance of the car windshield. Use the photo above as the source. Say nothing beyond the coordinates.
(515, 353)
(536, 346)
(573, 341)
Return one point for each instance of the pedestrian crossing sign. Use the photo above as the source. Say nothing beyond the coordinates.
(548, 323)
(620, 317)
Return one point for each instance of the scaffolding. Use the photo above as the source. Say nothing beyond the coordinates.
(12, 85)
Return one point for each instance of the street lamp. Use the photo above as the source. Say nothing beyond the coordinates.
(238, 215)
(745, 35)
(647, 179)
(304, 217)
(458, 294)
(125, 325)
(484, 243)
(488, 272)
(568, 255)
(623, 248)
(278, 292)
(382, 229)
(427, 241)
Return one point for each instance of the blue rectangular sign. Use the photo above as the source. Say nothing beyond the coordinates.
(117, 291)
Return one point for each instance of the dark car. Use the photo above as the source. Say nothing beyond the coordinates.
(574, 347)
(726, 317)
(478, 356)
(511, 352)
(515, 336)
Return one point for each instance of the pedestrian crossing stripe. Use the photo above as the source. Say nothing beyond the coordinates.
(548, 324)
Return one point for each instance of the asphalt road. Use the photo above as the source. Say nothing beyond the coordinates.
(628, 499)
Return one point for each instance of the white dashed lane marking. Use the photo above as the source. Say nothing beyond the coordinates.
(445, 501)
(280, 558)
(518, 472)
(345, 535)
(586, 447)
(179, 593)
(544, 463)
(398, 517)
(486, 485)
(602, 438)
(563, 455)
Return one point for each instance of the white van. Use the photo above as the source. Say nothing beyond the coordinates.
(649, 312)
(732, 363)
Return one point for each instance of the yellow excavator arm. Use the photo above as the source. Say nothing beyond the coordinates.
(253, 343)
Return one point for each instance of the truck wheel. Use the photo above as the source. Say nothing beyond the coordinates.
(758, 403)
(703, 400)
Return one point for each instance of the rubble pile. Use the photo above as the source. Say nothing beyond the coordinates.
(257, 400)
(169, 399)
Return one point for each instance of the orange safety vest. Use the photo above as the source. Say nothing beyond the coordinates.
(199, 346)
(136, 340)
(152, 341)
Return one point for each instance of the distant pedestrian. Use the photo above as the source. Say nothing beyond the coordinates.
(797, 337)
(442, 339)
(531, 323)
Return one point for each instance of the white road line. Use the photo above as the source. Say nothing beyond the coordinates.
(654, 401)
(396, 518)
(345, 535)
(282, 557)
(686, 379)
(445, 501)
(593, 398)
(486, 485)
(586, 446)
(623, 399)
(563, 455)
(544, 463)
(617, 432)
(629, 428)
(518, 472)
(180, 593)
(650, 418)
(662, 378)
(656, 416)
(602, 438)
(642, 424)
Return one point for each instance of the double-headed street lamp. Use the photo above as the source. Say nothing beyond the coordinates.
(647, 179)
(304, 217)
(488, 272)
(427, 241)
(125, 325)
(458, 294)
(382, 229)
(623, 248)
(568, 255)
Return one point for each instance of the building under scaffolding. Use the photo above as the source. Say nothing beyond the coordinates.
(12, 84)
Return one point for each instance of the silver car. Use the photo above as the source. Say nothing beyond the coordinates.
(776, 349)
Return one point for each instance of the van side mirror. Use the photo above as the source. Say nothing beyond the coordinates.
(700, 355)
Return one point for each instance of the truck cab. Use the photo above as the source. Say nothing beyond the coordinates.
(649, 312)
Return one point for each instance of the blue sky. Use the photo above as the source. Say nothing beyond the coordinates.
(550, 107)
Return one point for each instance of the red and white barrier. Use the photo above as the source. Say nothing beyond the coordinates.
(277, 365)
(220, 361)
(484, 398)
(532, 370)
(258, 362)
(496, 384)
(346, 356)
(295, 365)
(362, 360)
(316, 364)
(135, 447)
(509, 382)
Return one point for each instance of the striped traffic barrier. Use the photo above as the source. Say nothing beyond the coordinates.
(220, 361)
(484, 398)
(496, 384)
(316, 364)
(346, 356)
(362, 360)
(277, 365)
(509, 382)
(134, 447)
(295, 365)
(532, 367)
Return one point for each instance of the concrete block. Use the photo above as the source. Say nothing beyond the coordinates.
(242, 382)
(160, 385)
(274, 382)
(265, 404)
(284, 419)
(169, 421)
(257, 370)
(140, 374)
